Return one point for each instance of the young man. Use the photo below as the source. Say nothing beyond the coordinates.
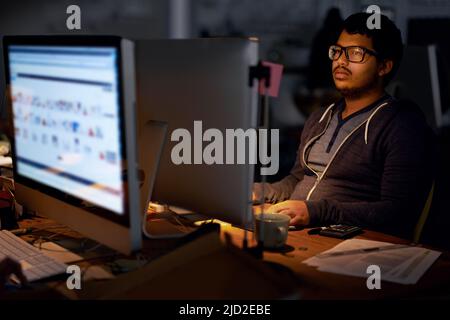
(366, 160)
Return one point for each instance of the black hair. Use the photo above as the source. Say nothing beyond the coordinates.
(387, 41)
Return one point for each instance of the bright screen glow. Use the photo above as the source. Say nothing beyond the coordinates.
(67, 120)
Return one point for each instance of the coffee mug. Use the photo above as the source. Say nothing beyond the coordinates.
(272, 229)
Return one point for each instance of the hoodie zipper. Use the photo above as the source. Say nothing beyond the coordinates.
(306, 147)
(320, 177)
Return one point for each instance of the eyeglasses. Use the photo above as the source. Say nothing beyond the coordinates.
(353, 53)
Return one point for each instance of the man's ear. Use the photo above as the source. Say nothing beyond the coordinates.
(385, 67)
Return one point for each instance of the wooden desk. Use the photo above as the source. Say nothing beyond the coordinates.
(313, 284)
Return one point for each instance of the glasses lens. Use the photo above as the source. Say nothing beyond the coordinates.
(355, 54)
(334, 52)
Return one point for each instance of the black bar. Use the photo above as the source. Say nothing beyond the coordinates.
(59, 79)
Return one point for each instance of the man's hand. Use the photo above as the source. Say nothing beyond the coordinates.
(10, 267)
(296, 209)
(257, 209)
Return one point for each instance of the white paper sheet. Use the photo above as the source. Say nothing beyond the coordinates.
(402, 265)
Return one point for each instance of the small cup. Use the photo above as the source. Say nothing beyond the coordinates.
(272, 229)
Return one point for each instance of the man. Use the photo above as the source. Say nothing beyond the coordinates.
(366, 160)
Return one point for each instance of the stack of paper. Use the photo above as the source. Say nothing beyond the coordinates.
(398, 263)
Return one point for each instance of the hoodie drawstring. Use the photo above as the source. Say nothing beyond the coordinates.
(325, 113)
(366, 132)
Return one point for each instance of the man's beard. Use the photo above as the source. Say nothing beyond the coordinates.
(356, 93)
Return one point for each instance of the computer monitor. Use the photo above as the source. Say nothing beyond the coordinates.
(74, 148)
(207, 80)
(423, 79)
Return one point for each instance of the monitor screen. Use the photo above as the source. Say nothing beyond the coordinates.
(66, 111)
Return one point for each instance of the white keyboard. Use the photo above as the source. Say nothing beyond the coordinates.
(35, 264)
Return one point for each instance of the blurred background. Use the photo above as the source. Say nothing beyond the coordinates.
(294, 33)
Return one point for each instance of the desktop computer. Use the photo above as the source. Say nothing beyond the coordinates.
(205, 81)
(72, 105)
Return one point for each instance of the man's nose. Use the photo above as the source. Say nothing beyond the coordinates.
(342, 61)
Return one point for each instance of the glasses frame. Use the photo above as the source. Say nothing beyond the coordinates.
(345, 50)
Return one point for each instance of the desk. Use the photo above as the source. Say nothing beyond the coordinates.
(313, 284)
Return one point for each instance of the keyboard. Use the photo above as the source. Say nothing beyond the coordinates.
(35, 264)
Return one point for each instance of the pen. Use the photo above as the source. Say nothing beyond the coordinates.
(364, 250)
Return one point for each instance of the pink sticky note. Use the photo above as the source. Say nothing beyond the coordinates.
(276, 71)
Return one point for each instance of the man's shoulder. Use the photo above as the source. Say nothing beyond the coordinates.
(398, 112)
(406, 112)
(404, 117)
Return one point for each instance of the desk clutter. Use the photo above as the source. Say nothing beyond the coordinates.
(203, 268)
(398, 263)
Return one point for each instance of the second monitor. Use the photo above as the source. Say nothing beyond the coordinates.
(205, 81)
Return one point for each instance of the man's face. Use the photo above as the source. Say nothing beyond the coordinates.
(351, 78)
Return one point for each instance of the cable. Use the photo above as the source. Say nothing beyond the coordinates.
(177, 217)
(39, 240)
(162, 236)
(183, 230)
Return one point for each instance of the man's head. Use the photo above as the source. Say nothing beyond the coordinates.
(365, 59)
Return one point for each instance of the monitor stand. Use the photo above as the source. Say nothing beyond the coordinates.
(151, 144)
(160, 225)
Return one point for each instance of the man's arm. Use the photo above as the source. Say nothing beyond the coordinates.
(275, 192)
(281, 190)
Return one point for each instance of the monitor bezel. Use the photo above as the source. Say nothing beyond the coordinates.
(73, 41)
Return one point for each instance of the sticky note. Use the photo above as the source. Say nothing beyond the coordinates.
(276, 72)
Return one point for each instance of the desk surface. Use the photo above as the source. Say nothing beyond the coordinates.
(314, 284)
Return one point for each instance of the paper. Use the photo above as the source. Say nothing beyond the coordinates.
(59, 253)
(402, 265)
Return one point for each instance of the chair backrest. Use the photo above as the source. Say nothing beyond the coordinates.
(423, 216)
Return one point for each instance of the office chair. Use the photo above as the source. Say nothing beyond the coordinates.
(424, 215)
